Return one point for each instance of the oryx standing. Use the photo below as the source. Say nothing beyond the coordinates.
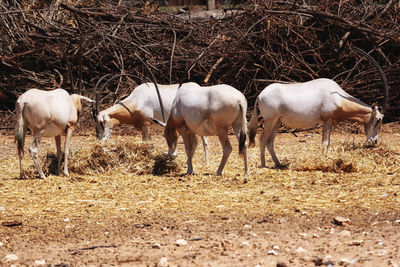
(48, 114)
(139, 109)
(207, 111)
(302, 105)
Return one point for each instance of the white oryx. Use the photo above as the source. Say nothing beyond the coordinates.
(207, 111)
(302, 105)
(139, 109)
(48, 114)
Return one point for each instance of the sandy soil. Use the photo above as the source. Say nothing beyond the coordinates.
(82, 237)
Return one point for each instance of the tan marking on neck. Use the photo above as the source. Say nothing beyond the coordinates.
(121, 115)
(352, 111)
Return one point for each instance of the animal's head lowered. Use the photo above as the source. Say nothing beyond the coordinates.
(171, 135)
(103, 126)
(373, 126)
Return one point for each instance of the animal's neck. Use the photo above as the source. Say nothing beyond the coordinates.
(356, 112)
(119, 114)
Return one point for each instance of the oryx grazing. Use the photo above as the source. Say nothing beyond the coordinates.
(139, 109)
(48, 114)
(207, 111)
(302, 105)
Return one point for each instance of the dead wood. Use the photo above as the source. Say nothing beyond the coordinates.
(74, 46)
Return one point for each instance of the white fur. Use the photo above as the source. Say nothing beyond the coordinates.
(302, 105)
(207, 111)
(48, 114)
(143, 105)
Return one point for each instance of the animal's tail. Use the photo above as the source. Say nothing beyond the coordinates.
(243, 131)
(20, 127)
(253, 125)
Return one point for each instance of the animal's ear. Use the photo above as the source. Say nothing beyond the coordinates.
(86, 99)
(162, 124)
(374, 110)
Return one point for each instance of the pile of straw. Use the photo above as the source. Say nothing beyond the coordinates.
(101, 157)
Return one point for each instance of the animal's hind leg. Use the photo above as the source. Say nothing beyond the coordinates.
(226, 146)
(190, 140)
(237, 132)
(58, 146)
(34, 152)
(270, 143)
(66, 150)
(21, 156)
(263, 140)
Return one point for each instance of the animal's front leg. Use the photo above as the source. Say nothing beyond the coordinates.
(146, 133)
(34, 152)
(59, 153)
(66, 150)
(190, 141)
(205, 146)
(226, 146)
(326, 134)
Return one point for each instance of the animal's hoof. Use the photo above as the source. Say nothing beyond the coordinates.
(281, 166)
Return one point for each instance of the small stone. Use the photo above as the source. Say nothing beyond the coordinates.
(2, 208)
(281, 264)
(303, 234)
(254, 235)
(382, 252)
(304, 213)
(315, 236)
(354, 242)
(1, 244)
(247, 226)
(275, 247)
(345, 233)
(397, 221)
(344, 261)
(181, 242)
(66, 220)
(272, 252)
(156, 245)
(163, 262)
(341, 221)
(10, 258)
(300, 250)
(332, 231)
(245, 244)
(39, 263)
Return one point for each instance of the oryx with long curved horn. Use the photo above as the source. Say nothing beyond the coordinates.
(302, 105)
(139, 109)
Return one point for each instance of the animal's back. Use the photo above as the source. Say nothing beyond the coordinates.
(301, 104)
(145, 98)
(49, 110)
(202, 108)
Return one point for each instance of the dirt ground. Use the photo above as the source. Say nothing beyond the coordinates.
(205, 220)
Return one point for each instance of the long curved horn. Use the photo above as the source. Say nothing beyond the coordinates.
(95, 105)
(153, 78)
(381, 73)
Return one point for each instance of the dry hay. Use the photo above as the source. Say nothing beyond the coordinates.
(103, 157)
(164, 164)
